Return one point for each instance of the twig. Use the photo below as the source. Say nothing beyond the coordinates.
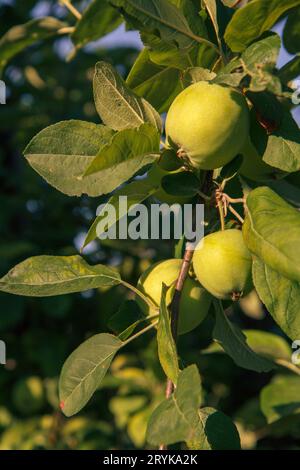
(221, 214)
(288, 365)
(235, 213)
(66, 30)
(174, 307)
(71, 8)
(236, 4)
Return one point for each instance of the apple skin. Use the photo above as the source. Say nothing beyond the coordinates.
(209, 123)
(194, 303)
(28, 395)
(222, 264)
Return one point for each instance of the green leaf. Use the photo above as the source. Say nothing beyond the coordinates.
(181, 184)
(265, 51)
(290, 70)
(259, 61)
(280, 398)
(267, 107)
(233, 341)
(287, 190)
(272, 231)
(42, 276)
(127, 317)
(136, 192)
(230, 170)
(194, 15)
(159, 15)
(157, 84)
(167, 352)
(176, 419)
(229, 3)
(118, 107)
(197, 74)
(291, 32)
(218, 432)
(281, 297)
(19, 37)
(84, 370)
(62, 152)
(263, 343)
(97, 20)
(179, 419)
(128, 151)
(283, 146)
(252, 20)
(268, 345)
(212, 7)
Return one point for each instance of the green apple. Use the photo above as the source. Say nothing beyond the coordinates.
(194, 303)
(208, 124)
(28, 395)
(168, 164)
(222, 264)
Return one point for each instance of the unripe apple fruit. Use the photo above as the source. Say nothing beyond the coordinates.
(209, 124)
(28, 395)
(194, 302)
(222, 263)
(168, 164)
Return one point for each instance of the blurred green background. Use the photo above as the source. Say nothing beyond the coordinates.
(40, 333)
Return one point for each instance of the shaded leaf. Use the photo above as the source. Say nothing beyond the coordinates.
(281, 297)
(61, 153)
(269, 220)
(280, 398)
(290, 70)
(181, 184)
(125, 320)
(218, 432)
(268, 345)
(291, 32)
(42, 276)
(263, 343)
(233, 341)
(230, 170)
(84, 370)
(118, 107)
(157, 84)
